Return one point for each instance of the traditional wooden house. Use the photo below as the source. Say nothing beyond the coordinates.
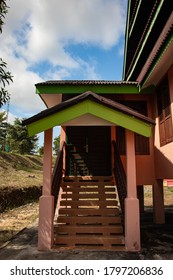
(114, 135)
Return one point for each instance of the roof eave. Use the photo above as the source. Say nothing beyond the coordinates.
(90, 103)
(78, 87)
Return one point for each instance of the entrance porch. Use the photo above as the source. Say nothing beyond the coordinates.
(83, 154)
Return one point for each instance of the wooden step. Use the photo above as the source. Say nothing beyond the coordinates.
(89, 203)
(85, 229)
(93, 240)
(92, 189)
(75, 196)
(89, 220)
(87, 178)
(87, 184)
(88, 214)
(89, 211)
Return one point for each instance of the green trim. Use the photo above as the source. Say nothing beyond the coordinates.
(78, 89)
(126, 38)
(57, 119)
(98, 110)
(158, 59)
(134, 20)
(119, 118)
(145, 39)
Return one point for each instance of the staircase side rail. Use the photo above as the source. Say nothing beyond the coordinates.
(120, 177)
(57, 173)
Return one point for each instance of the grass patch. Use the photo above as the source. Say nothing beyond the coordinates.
(18, 171)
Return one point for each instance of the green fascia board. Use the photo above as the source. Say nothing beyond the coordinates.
(91, 107)
(145, 39)
(126, 38)
(136, 15)
(57, 119)
(78, 89)
(157, 60)
(120, 119)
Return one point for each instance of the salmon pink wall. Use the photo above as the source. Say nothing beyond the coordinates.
(164, 154)
(145, 171)
(145, 174)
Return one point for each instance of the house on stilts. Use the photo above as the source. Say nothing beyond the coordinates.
(116, 136)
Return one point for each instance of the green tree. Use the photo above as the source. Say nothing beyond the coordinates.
(18, 139)
(41, 151)
(56, 145)
(3, 130)
(5, 76)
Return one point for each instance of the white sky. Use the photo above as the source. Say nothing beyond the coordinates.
(60, 39)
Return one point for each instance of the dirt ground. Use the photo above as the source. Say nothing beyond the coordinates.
(156, 241)
(17, 230)
(14, 220)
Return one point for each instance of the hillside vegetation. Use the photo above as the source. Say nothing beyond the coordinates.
(20, 179)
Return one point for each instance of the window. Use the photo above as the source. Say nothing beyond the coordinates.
(164, 113)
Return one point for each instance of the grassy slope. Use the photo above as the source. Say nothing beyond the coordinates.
(18, 171)
(20, 183)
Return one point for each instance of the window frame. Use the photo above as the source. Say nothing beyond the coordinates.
(164, 112)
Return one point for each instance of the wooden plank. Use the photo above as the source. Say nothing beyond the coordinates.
(84, 240)
(88, 214)
(114, 248)
(88, 196)
(91, 203)
(88, 189)
(108, 230)
(87, 178)
(89, 220)
(88, 183)
(89, 211)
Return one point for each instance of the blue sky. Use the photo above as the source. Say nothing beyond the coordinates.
(69, 39)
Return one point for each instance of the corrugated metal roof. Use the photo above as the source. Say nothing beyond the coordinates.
(87, 82)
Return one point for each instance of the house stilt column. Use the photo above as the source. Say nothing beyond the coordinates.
(132, 215)
(46, 202)
(158, 203)
(140, 195)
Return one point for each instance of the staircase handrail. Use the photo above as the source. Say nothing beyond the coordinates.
(120, 177)
(57, 173)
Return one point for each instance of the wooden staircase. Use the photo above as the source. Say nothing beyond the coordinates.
(88, 214)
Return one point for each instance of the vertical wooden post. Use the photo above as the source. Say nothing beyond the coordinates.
(113, 138)
(132, 217)
(158, 203)
(46, 202)
(140, 195)
(63, 139)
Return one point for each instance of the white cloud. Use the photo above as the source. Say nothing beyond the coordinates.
(11, 118)
(41, 30)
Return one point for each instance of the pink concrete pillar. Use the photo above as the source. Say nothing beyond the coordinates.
(158, 203)
(132, 218)
(46, 202)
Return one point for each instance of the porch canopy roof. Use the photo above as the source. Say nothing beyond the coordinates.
(89, 108)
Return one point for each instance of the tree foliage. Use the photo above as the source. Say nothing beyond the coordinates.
(18, 139)
(56, 145)
(3, 12)
(5, 76)
(41, 151)
(3, 130)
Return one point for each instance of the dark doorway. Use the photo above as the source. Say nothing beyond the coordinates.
(88, 150)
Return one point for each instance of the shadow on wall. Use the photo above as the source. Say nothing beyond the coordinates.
(163, 165)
